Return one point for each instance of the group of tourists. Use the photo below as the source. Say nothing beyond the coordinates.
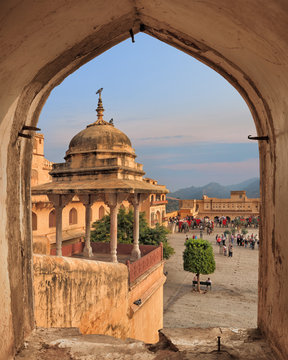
(190, 223)
(222, 221)
(247, 241)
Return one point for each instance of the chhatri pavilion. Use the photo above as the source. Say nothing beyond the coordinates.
(99, 166)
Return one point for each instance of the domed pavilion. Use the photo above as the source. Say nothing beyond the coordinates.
(99, 166)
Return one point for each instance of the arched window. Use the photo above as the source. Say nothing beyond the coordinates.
(152, 197)
(73, 216)
(34, 221)
(101, 212)
(158, 215)
(52, 219)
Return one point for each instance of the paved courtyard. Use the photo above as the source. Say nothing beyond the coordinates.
(232, 302)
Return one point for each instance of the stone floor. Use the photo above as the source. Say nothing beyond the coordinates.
(174, 344)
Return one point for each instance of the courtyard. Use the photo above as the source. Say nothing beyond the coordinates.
(232, 302)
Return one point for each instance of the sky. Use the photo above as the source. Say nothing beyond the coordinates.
(187, 124)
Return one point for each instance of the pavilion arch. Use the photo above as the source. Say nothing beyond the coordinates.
(73, 216)
(34, 221)
(52, 219)
(242, 43)
(101, 212)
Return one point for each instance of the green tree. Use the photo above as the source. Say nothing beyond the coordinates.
(198, 258)
(147, 235)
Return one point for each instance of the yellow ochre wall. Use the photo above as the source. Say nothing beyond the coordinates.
(94, 296)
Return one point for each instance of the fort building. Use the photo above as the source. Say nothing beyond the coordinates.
(238, 205)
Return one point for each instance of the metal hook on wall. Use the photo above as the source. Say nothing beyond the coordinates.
(250, 137)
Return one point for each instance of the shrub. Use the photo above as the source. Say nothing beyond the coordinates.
(198, 258)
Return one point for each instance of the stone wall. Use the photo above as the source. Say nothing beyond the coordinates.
(94, 296)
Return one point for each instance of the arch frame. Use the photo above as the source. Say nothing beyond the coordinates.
(24, 108)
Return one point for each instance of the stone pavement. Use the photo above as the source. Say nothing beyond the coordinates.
(232, 302)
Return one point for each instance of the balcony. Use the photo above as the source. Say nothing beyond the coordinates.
(158, 202)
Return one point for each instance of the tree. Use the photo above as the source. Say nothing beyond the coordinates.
(147, 235)
(198, 258)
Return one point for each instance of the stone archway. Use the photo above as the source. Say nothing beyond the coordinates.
(43, 43)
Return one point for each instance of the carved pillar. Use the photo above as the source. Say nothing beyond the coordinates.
(136, 253)
(59, 202)
(58, 213)
(87, 202)
(113, 231)
(87, 251)
(114, 201)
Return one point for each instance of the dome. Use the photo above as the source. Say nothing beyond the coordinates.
(99, 136)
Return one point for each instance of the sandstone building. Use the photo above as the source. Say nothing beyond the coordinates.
(238, 205)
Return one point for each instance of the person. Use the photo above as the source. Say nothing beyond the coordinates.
(225, 250)
(230, 250)
(208, 281)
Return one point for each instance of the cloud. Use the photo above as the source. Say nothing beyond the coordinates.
(250, 166)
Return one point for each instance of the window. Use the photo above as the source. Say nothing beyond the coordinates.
(34, 221)
(52, 219)
(73, 216)
(101, 212)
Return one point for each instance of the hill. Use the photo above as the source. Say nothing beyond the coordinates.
(251, 186)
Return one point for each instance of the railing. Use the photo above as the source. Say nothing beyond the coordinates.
(158, 202)
(122, 249)
(70, 249)
(139, 267)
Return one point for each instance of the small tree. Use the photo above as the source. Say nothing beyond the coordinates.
(198, 258)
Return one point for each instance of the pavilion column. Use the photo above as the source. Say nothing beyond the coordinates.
(87, 251)
(87, 201)
(59, 202)
(58, 213)
(136, 253)
(114, 200)
(113, 231)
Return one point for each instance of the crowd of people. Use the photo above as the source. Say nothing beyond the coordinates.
(247, 241)
(190, 223)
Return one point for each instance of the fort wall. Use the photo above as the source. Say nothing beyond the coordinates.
(95, 297)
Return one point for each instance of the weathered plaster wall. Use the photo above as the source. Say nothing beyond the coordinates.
(44, 41)
(94, 296)
(148, 288)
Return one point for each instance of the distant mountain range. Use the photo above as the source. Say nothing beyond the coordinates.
(251, 186)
